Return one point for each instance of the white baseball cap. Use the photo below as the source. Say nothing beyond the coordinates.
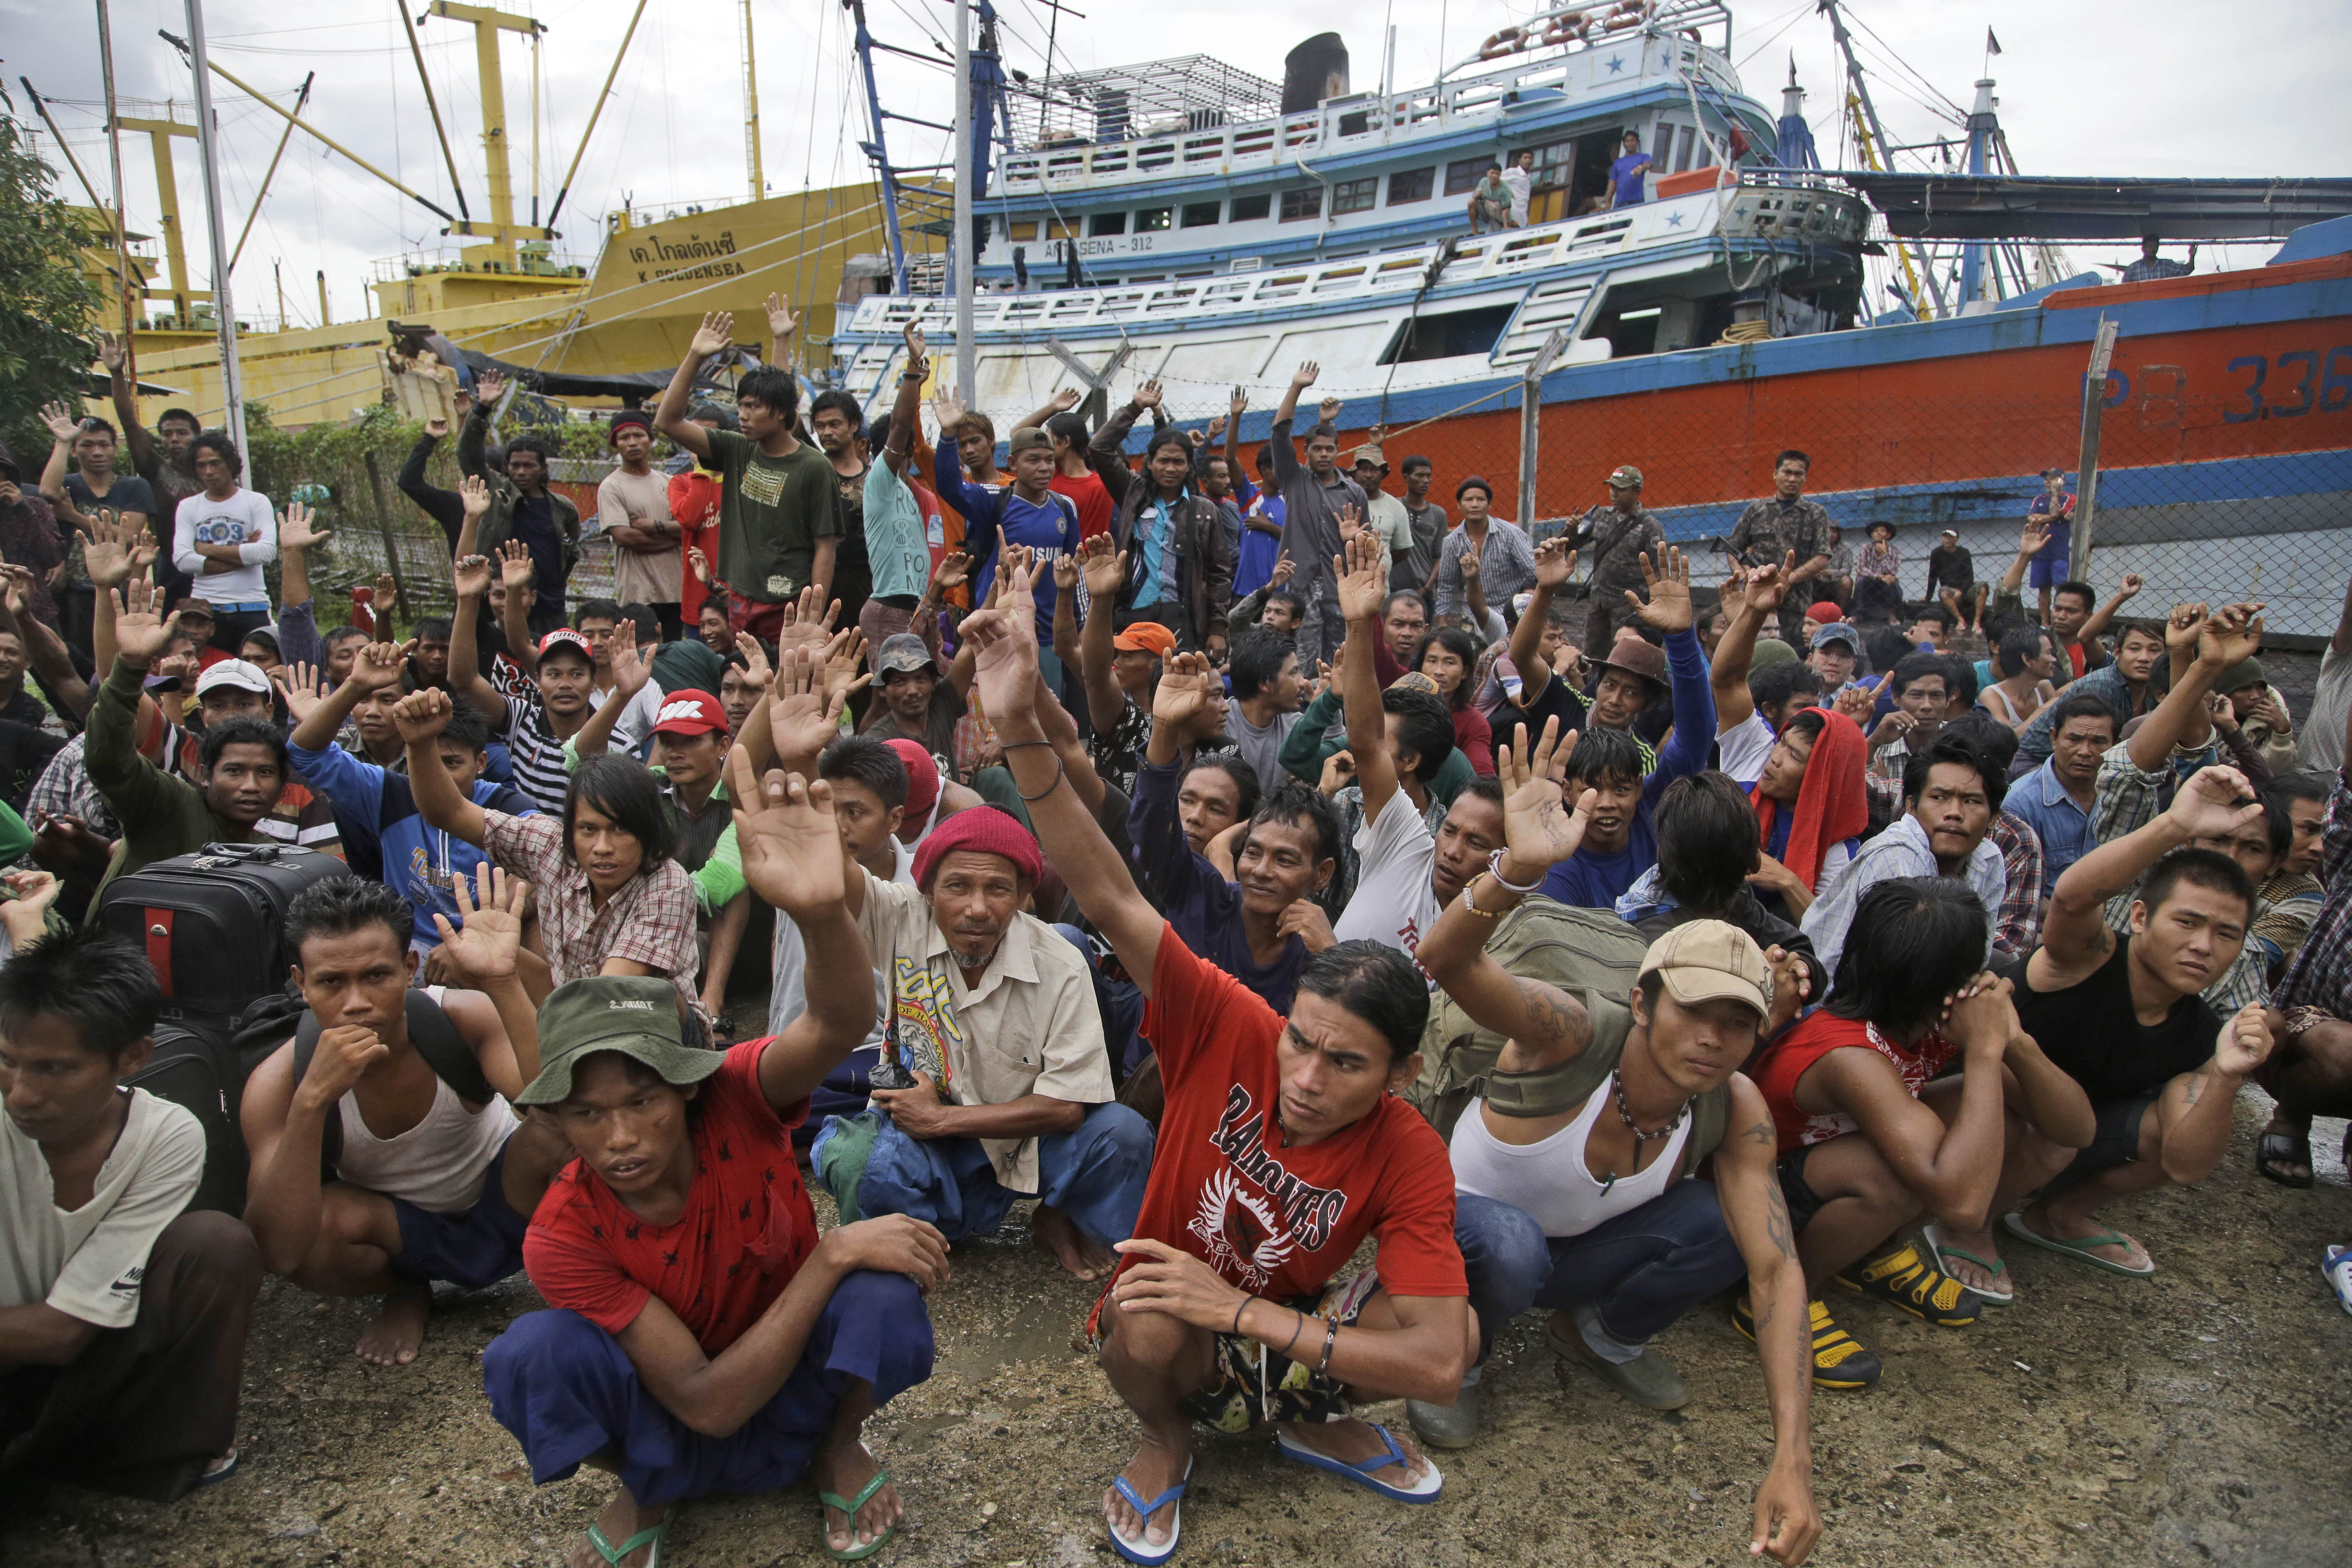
(242, 674)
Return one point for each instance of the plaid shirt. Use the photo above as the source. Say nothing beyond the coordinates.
(2321, 975)
(650, 921)
(64, 790)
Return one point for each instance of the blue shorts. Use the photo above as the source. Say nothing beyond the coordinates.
(474, 1248)
(2049, 568)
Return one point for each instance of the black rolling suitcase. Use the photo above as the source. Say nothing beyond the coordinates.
(213, 925)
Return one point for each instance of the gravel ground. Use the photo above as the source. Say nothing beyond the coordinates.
(2197, 1417)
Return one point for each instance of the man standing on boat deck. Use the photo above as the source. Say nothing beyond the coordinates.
(1313, 497)
(1521, 178)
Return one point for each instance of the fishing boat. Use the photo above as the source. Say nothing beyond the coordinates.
(1185, 222)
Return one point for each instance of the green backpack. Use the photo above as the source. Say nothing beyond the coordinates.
(1593, 956)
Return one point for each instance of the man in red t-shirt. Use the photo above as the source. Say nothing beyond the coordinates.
(1073, 476)
(1283, 1145)
(704, 1338)
(1868, 1142)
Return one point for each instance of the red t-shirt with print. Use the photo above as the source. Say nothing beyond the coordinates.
(745, 1230)
(1280, 1222)
(1785, 1060)
(1090, 496)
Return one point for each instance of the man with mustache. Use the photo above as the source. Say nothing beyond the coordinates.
(1000, 1086)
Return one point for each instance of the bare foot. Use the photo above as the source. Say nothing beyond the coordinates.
(392, 1337)
(1975, 1276)
(1152, 1471)
(1352, 1442)
(621, 1519)
(2047, 1222)
(1073, 1248)
(844, 1469)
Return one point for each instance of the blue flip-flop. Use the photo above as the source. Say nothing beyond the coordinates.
(1424, 1489)
(1138, 1548)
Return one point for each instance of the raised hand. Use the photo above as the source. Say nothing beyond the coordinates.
(1470, 567)
(1328, 411)
(1339, 772)
(381, 665)
(487, 940)
(948, 408)
(702, 564)
(112, 553)
(1148, 394)
(954, 570)
(791, 846)
(1555, 563)
(421, 715)
(1066, 400)
(473, 495)
(1351, 522)
(756, 672)
(61, 424)
(1105, 569)
(516, 573)
(843, 656)
(2222, 713)
(387, 594)
(801, 719)
(1190, 700)
(2132, 583)
(472, 576)
(1004, 642)
(110, 352)
(1283, 567)
(303, 687)
(918, 363)
(630, 669)
(808, 622)
(1303, 378)
(1668, 608)
(298, 529)
(18, 590)
(2231, 633)
(141, 633)
(1537, 824)
(1767, 585)
(1238, 404)
(1858, 701)
(1216, 430)
(1067, 572)
(781, 317)
(1363, 585)
(489, 386)
(437, 427)
(2214, 803)
(2033, 537)
(2182, 629)
(715, 336)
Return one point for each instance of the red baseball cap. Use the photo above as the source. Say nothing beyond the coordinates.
(1823, 613)
(688, 711)
(564, 636)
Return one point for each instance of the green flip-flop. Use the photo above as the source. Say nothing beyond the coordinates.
(849, 1507)
(616, 1555)
(1939, 1249)
(2077, 1247)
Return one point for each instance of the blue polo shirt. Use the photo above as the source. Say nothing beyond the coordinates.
(2041, 801)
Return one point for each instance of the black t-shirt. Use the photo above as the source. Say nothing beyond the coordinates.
(1952, 568)
(2089, 1030)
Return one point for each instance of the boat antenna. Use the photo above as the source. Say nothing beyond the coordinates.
(224, 313)
(580, 151)
(878, 149)
(966, 157)
(440, 131)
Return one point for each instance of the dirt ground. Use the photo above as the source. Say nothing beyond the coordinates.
(2199, 1417)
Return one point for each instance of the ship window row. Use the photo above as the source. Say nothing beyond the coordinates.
(1299, 205)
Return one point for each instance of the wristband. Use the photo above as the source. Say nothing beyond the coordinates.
(1329, 1334)
(1237, 1316)
(1494, 870)
(1295, 1331)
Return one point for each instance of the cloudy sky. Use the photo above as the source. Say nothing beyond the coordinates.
(2150, 89)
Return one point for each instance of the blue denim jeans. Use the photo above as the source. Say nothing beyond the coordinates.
(1625, 1279)
(1095, 1175)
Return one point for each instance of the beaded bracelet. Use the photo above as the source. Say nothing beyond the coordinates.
(1329, 1334)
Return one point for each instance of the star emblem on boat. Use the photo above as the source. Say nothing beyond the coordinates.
(1616, 63)
(1674, 220)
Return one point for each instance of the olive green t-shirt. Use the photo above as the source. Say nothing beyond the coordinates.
(772, 512)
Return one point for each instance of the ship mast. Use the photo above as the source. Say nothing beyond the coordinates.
(1845, 41)
(224, 312)
(966, 155)
(751, 108)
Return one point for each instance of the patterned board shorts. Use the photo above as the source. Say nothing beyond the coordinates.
(1253, 1384)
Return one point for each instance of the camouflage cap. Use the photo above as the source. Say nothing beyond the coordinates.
(1625, 477)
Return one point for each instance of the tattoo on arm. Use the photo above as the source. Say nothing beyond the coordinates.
(1553, 1015)
(1759, 1134)
(1776, 1223)
(2102, 941)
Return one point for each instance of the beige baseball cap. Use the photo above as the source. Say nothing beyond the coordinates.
(1709, 961)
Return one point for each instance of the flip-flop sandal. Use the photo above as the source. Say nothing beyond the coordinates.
(1138, 1548)
(1998, 1268)
(2077, 1247)
(2275, 1149)
(849, 1507)
(1423, 1490)
(2336, 1267)
(222, 1470)
(616, 1555)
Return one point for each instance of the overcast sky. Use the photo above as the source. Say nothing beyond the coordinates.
(2154, 87)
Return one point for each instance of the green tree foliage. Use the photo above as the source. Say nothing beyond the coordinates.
(47, 303)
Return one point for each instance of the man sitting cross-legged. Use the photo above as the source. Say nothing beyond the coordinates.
(1867, 1142)
(2121, 1013)
(704, 1338)
(385, 1152)
(999, 1083)
(1573, 1173)
(1284, 1146)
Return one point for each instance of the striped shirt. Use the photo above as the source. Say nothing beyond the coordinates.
(537, 752)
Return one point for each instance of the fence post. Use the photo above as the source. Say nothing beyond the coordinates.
(2094, 401)
(1530, 407)
(390, 551)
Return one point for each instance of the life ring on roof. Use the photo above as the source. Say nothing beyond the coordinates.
(1565, 29)
(1509, 41)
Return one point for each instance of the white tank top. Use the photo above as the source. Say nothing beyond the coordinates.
(437, 1164)
(1549, 1181)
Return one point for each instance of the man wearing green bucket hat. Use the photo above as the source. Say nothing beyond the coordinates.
(704, 1338)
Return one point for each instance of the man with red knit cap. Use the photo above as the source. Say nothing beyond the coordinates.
(1001, 1084)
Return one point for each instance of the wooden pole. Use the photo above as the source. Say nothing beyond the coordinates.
(390, 549)
(2095, 400)
(114, 162)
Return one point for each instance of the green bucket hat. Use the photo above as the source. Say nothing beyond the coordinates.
(632, 1014)
(1770, 651)
(2244, 673)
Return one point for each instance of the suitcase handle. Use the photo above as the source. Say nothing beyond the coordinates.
(262, 852)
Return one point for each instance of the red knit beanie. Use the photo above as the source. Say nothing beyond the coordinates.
(984, 828)
(922, 778)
